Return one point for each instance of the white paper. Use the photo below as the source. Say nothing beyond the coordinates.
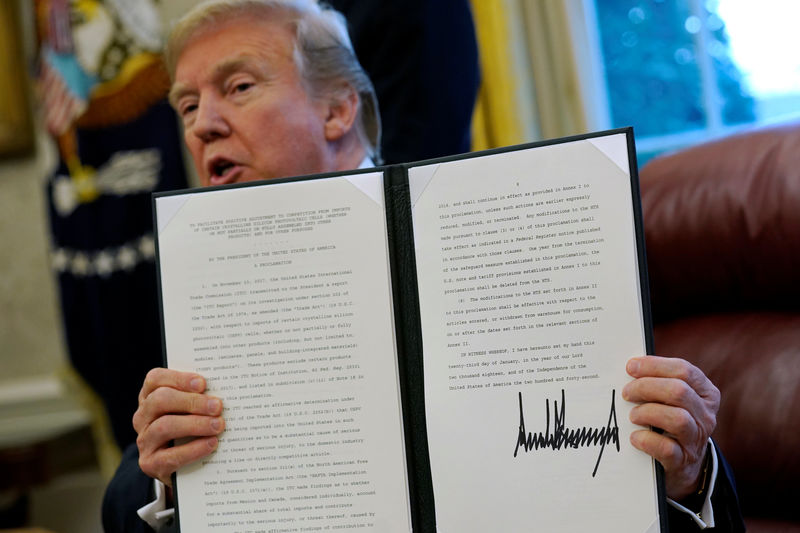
(530, 307)
(280, 296)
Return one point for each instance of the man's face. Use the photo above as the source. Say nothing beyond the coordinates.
(246, 112)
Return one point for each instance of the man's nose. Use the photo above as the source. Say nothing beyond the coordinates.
(210, 122)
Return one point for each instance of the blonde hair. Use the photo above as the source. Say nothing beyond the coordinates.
(323, 53)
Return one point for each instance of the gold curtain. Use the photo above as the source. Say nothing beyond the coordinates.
(496, 121)
(530, 87)
(552, 56)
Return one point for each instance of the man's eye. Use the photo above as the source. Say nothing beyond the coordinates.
(242, 87)
(188, 108)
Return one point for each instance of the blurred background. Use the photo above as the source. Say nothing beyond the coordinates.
(85, 138)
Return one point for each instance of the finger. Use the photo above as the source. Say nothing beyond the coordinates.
(170, 427)
(164, 377)
(661, 447)
(671, 367)
(668, 391)
(165, 400)
(673, 393)
(677, 422)
(165, 461)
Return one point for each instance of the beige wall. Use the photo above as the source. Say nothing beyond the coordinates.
(30, 326)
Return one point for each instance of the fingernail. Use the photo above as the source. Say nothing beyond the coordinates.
(216, 424)
(212, 442)
(213, 405)
(633, 367)
(625, 392)
(196, 384)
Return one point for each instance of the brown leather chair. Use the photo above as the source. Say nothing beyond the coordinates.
(722, 225)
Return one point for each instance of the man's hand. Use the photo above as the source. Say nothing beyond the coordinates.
(172, 406)
(677, 397)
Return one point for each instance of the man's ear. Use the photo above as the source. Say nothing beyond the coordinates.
(342, 112)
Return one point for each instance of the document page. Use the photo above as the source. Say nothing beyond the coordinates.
(280, 296)
(530, 307)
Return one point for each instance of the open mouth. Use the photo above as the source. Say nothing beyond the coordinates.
(221, 167)
(221, 170)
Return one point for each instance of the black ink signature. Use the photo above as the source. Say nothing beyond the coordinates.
(563, 437)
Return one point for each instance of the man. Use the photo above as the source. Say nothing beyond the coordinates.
(271, 88)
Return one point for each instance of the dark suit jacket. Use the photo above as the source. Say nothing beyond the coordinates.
(129, 490)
